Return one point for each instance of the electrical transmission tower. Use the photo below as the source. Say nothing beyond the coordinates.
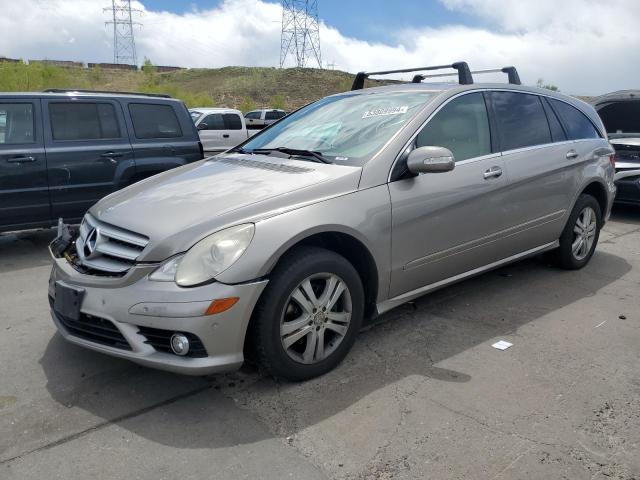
(124, 45)
(300, 35)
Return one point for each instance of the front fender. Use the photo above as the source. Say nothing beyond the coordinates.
(364, 215)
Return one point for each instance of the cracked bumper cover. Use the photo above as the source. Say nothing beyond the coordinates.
(135, 301)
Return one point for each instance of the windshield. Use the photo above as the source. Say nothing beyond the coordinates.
(345, 129)
(195, 115)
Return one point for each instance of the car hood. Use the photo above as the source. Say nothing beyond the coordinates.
(177, 208)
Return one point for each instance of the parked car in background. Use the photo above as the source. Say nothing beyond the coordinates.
(257, 119)
(61, 151)
(220, 128)
(620, 113)
(341, 211)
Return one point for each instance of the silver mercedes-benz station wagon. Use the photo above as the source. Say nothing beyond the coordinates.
(346, 208)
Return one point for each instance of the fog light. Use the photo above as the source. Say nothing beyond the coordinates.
(179, 344)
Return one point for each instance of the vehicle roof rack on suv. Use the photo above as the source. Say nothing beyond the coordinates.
(464, 74)
(70, 90)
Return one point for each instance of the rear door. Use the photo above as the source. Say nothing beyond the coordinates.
(445, 224)
(235, 130)
(24, 193)
(88, 153)
(542, 180)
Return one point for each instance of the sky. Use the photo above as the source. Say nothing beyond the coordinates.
(585, 47)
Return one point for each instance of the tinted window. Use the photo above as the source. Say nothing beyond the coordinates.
(154, 121)
(232, 121)
(254, 115)
(461, 126)
(83, 121)
(272, 115)
(557, 132)
(575, 122)
(520, 119)
(16, 123)
(214, 122)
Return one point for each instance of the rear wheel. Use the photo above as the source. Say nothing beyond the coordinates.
(309, 314)
(580, 236)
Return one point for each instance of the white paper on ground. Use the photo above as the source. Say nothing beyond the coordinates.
(502, 345)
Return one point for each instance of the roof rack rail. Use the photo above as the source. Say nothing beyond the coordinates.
(512, 75)
(464, 74)
(69, 90)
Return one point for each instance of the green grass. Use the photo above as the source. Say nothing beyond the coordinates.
(245, 88)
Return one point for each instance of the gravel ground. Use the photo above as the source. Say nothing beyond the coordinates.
(422, 395)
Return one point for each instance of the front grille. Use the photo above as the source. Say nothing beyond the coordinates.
(104, 249)
(161, 341)
(94, 329)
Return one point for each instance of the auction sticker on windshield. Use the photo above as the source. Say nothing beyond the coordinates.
(378, 112)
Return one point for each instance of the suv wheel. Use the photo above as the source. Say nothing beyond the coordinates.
(309, 314)
(580, 236)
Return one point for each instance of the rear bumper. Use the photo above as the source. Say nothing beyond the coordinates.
(164, 306)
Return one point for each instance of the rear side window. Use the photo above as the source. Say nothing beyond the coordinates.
(576, 123)
(520, 119)
(462, 126)
(232, 121)
(253, 115)
(16, 123)
(154, 121)
(83, 121)
(272, 115)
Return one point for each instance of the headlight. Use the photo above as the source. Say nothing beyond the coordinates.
(207, 258)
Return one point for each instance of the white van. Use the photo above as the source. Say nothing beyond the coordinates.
(219, 128)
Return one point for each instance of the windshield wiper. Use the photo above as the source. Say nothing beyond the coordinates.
(313, 156)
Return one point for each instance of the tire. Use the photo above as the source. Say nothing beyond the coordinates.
(290, 339)
(566, 256)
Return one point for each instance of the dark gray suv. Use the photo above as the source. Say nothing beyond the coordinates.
(61, 151)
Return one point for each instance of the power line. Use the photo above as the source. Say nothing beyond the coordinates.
(124, 45)
(300, 35)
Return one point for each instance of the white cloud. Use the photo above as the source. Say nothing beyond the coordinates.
(583, 46)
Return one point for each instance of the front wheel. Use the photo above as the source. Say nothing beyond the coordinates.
(309, 315)
(580, 236)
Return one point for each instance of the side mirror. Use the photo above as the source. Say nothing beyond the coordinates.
(430, 160)
(202, 126)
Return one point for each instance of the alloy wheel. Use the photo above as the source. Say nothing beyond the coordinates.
(584, 233)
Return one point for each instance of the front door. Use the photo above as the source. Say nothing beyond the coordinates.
(88, 152)
(24, 193)
(445, 224)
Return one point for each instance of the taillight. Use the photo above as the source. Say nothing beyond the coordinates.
(612, 160)
(201, 150)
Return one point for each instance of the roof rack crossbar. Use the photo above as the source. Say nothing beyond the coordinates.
(511, 72)
(71, 90)
(464, 74)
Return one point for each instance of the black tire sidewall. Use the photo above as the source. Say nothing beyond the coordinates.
(297, 266)
(566, 258)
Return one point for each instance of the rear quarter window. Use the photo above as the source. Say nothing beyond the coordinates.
(154, 121)
(576, 123)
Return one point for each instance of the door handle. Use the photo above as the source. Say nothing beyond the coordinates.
(110, 155)
(571, 155)
(493, 172)
(21, 159)
(226, 135)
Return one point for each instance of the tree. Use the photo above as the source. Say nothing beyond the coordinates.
(549, 86)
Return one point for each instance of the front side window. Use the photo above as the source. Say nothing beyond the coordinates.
(214, 122)
(154, 121)
(520, 119)
(576, 123)
(253, 115)
(83, 121)
(232, 121)
(16, 123)
(346, 128)
(462, 126)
